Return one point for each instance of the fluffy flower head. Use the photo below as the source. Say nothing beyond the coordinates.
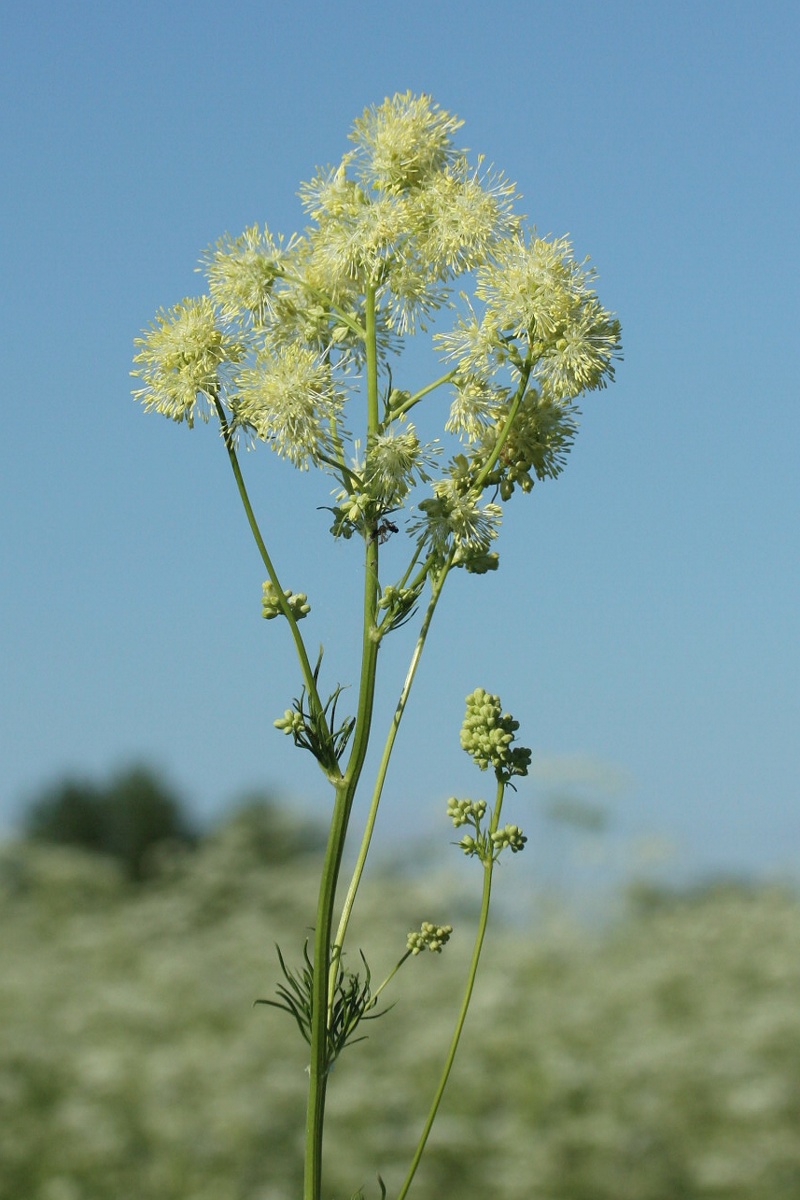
(288, 399)
(405, 140)
(180, 359)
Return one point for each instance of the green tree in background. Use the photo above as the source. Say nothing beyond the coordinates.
(125, 818)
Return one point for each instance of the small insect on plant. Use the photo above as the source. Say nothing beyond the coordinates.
(384, 529)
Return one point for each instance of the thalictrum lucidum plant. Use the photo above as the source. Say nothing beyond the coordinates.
(298, 344)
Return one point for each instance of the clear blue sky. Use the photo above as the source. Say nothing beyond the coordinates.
(644, 624)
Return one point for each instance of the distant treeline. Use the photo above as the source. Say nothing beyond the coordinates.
(656, 1059)
(135, 813)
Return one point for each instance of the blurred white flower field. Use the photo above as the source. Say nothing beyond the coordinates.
(659, 1060)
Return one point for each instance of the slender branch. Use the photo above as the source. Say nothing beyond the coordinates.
(415, 399)
(390, 976)
(343, 316)
(383, 767)
(305, 665)
(480, 935)
(489, 465)
(350, 478)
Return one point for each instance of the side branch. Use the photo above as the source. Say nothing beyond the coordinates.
(305, 665)
(480, 937)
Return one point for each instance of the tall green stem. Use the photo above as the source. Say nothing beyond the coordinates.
(346, 787)
(318, 1067)
(480, 935)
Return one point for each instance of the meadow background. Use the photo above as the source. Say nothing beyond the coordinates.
(654, 1057)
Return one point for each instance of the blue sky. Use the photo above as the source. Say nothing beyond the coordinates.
(644, 623)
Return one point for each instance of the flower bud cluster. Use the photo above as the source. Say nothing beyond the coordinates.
(482, 844)
(465, 812)
(472, 846)
(510, 836)
(399, 603)
(270, 605)
(487, 735)
(470, 812)
(477, 564)
(429, 937)
(291, 723)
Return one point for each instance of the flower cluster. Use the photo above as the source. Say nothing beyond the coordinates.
(287, 397)
(455, 517)
(288, 331)
(429, 937)
(540, 309)
(487, 735)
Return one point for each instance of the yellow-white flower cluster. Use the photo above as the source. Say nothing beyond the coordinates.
(289, 330)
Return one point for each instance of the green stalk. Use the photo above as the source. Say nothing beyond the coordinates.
(384, 763)
(345, 317)
(371, 347)
(491, 461)
(415, 399)
(305, 665)
(480, 935)
(345, 793)
(318, 1067)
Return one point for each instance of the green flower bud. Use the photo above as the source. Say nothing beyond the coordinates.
(479, 564)
(270, 606)
(510, 836)
(458, 811)
(291, 722)
(487, 734)
(430, 937)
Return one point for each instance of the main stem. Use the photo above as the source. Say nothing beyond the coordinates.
(345, 790)
(383, 767)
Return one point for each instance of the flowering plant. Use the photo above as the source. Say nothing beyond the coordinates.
(293, 346)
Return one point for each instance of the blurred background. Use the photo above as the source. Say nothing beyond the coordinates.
(642, 627)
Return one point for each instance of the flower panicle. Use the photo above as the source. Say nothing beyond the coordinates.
(487, 735)
(281, 337)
